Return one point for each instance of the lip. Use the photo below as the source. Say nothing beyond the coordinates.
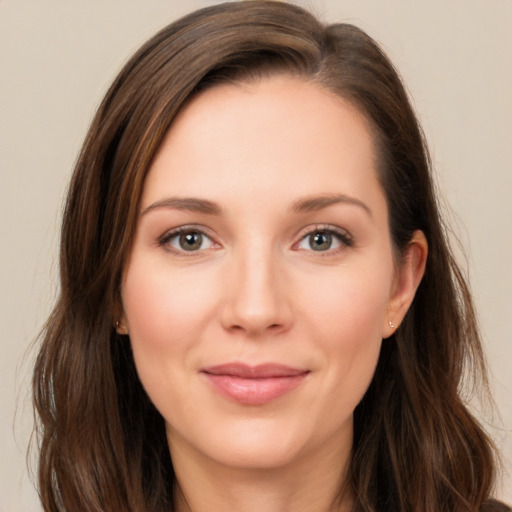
(254, 385)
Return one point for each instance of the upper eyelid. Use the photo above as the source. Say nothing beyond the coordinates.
(185, 228)
(344, 234)
(173, 232)
(324, 228)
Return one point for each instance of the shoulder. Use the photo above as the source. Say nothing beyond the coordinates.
(495, 506)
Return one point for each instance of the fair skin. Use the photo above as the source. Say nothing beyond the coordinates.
(263, 239)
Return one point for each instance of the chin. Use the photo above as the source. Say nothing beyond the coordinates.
(258, 450)
(263, 443)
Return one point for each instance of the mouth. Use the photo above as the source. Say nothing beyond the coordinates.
(254, 385)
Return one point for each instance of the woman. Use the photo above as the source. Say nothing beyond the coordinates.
(259, 309)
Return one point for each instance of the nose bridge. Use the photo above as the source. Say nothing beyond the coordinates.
(257, 299)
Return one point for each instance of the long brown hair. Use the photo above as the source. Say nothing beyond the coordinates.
(102, 442)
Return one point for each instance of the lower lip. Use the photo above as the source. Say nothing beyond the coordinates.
(254, 391)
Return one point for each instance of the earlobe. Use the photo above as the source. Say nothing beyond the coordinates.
(121, 327)
(408, 278)
(119, 318)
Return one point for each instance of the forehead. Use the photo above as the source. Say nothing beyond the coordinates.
(279, 133)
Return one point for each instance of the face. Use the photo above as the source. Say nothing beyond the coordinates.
(261, 279)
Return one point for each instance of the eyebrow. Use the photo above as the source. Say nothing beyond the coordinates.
(319, 202)
(191, 204)
(305, 205)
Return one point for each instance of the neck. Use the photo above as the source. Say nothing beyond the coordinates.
(309, 484)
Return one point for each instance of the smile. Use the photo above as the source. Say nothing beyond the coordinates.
(254, 385)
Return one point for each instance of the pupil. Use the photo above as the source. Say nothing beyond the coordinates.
(191, 241)
(321, 241)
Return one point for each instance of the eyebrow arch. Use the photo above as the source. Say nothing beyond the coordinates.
(319, 202)
(192, 204)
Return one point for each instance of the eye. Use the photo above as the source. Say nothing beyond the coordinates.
(187, 240)
(323, 240)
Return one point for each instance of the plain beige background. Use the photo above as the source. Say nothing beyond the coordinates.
(58, 57)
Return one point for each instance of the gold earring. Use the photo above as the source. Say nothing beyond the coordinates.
(121, 328)
(391, 324)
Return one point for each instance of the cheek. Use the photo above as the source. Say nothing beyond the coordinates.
(354, 340)
(165, 312)
(349, 306)
(346, 314)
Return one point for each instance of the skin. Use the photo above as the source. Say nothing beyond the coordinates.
(280, 158)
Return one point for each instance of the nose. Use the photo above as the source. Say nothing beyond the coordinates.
(257, 297)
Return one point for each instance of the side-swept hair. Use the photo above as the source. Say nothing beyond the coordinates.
(102, 443)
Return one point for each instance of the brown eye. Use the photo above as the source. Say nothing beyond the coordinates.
(191, 241)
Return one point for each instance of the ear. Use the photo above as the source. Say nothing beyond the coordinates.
(407, 279)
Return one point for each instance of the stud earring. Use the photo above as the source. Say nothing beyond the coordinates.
(120, 328)
(391, 324)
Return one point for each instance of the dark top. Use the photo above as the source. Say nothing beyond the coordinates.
(496, 506)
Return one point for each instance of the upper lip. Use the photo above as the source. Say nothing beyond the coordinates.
(260, 371)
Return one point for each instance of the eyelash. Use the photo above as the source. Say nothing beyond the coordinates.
(165, 240)
(342, 236)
